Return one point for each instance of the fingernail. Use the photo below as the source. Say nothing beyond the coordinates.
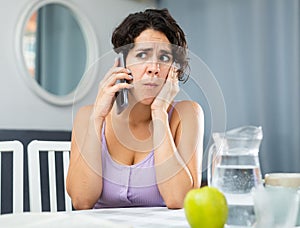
(130, 76)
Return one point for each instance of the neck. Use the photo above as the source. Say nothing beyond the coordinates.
(134, 114)
(140, 114)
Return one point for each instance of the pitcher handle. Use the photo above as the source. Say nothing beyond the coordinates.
(211, 153)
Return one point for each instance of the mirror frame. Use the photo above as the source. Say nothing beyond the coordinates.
(86, 81)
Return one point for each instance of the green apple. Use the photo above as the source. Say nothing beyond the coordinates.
(206, 207)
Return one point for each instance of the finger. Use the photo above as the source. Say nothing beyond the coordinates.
(115, 69)
(118, 76)
(117, 62)
(176, 86)
(172, 85)
(119, 86)
(111, 91)
(175, 73)
(109, 78)
(172, 73)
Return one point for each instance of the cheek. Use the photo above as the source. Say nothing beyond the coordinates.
(137, 72)
(164, 71)
(164, 74)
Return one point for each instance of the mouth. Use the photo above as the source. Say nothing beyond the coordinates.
(150, 85)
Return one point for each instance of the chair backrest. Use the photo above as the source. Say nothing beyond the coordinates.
(15, 147)
(34, 149)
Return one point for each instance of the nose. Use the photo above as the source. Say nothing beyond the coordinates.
(153, 69)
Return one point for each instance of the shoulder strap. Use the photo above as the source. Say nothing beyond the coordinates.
(171, 109)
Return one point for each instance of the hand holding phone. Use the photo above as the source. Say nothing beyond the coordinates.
(122, 95)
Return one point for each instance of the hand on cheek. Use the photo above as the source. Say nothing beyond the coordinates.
(168, 91)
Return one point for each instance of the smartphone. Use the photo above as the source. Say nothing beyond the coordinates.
(121, 95)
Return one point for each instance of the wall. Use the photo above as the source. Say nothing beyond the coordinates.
(252, 48)
(20, 107)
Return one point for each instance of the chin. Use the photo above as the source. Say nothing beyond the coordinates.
(147, 101)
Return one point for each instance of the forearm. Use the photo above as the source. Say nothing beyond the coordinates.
(83, 186)
(84, 181)
(173, 177)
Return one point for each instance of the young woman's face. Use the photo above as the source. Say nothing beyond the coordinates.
(149, 61)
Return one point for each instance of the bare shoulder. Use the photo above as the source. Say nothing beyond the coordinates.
(187, 113)
(84, 112)
(85, 109)
(187, 117)
(189, 109)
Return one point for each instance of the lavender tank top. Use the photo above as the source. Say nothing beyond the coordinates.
(128, 185)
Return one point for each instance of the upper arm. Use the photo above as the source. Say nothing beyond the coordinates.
(189, 120)
(84, 180)
(78, 134)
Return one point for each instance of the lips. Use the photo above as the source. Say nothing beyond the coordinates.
(150, 85)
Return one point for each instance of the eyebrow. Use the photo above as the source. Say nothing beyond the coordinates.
(144, 49)
(166, 52)
(151, 49)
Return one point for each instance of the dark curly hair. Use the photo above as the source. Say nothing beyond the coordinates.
(157, 19)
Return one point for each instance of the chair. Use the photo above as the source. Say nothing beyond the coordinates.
(15, 147)
(34, 150)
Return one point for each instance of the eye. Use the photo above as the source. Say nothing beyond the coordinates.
(165, 58)
(142, 55)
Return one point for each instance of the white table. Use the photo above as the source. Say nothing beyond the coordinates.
(105, 218)
(136, 217)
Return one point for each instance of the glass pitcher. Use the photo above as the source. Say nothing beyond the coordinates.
(233, 168)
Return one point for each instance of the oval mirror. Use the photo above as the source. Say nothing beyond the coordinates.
(56, 44)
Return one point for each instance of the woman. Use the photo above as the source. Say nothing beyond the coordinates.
(151, 153)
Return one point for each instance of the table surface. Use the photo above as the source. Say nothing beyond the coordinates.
(110, 218)
(105, 218)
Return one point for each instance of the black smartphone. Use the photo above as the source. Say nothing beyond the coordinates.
(121, 95)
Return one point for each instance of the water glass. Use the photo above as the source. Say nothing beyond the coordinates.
(289, 180)
(276, 205)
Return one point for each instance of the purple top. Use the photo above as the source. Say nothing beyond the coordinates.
(128, 185)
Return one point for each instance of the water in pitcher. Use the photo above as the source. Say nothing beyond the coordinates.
(233, 168)
(236, 180)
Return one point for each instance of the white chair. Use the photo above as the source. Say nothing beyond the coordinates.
(33, 151)
(15, 147)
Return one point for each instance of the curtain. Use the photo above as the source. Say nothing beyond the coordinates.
(252, 47)
(61, 50)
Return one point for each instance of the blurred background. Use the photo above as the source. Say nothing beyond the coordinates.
(251, 48)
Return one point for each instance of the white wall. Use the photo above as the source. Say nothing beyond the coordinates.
(20, 107)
